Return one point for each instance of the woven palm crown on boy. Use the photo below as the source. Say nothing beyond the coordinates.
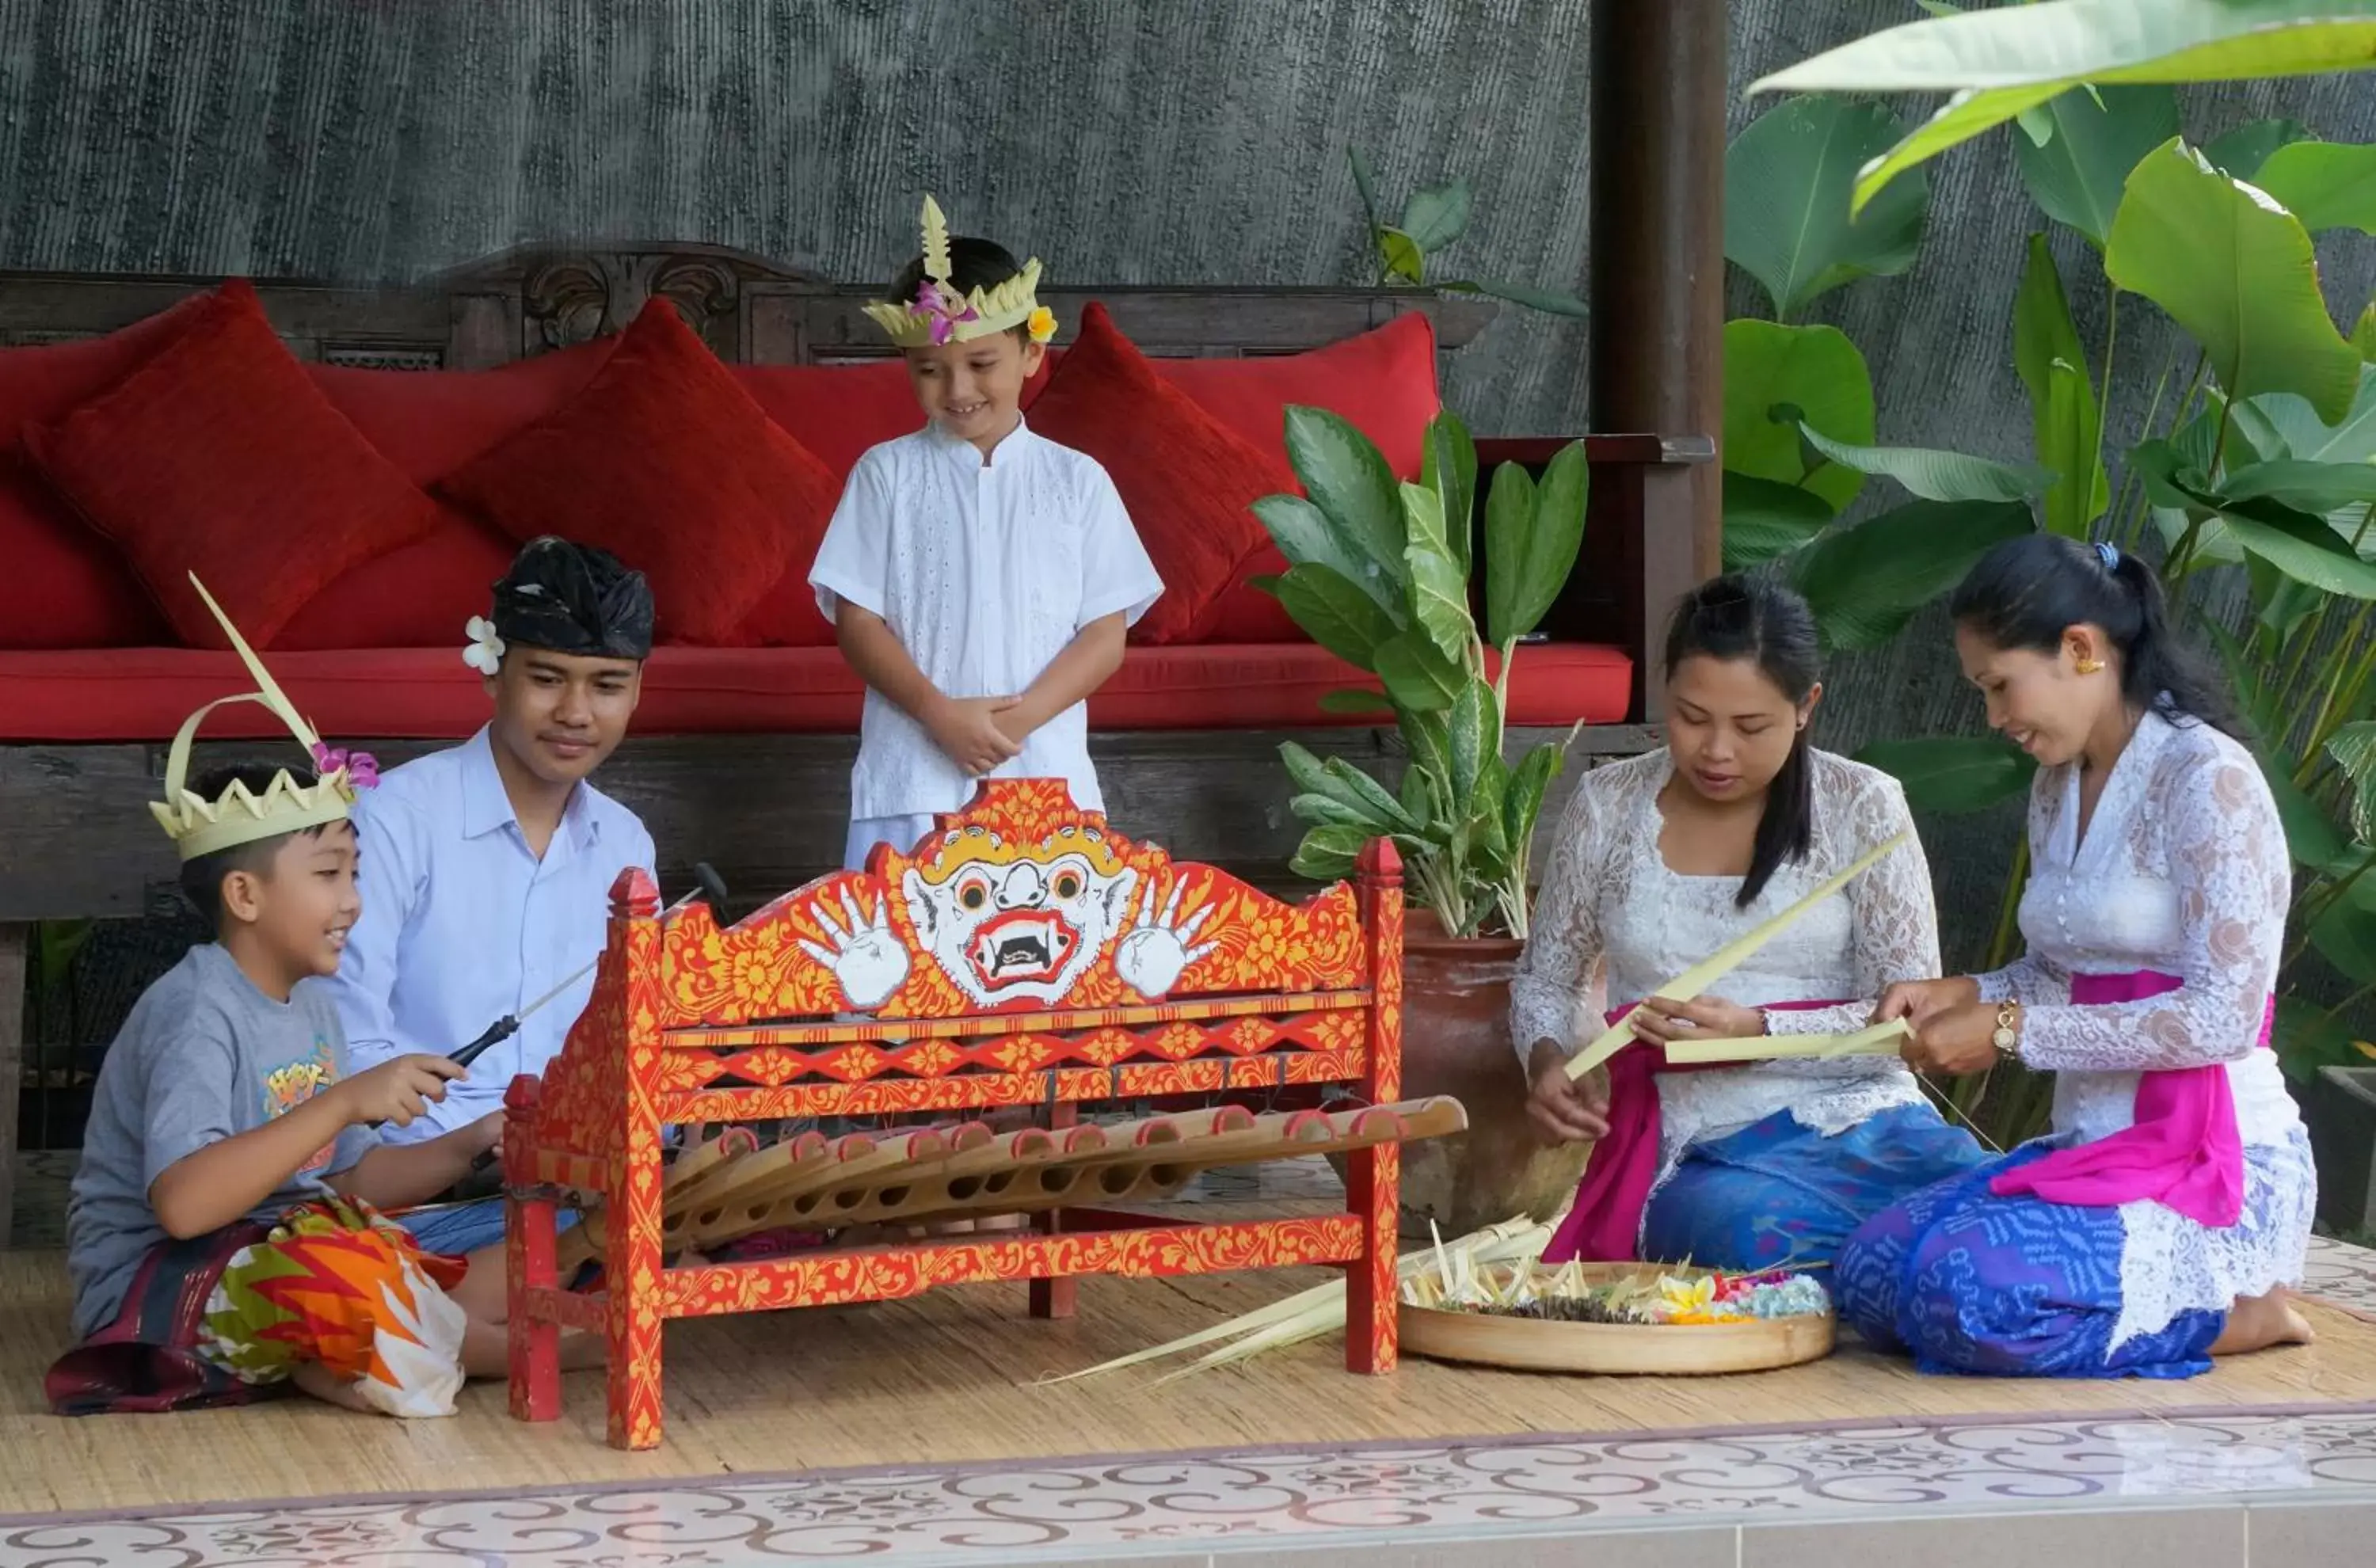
(224, 1234)
(980, 579)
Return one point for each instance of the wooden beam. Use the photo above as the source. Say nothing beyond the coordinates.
(15, 939)
(1657, 284)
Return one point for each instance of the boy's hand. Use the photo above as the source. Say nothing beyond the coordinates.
(481, 1138)
(966, 730)
(396, 1091)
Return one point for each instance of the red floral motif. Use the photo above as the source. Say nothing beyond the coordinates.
(686, 1026)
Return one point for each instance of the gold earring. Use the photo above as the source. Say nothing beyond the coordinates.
(2089, 666)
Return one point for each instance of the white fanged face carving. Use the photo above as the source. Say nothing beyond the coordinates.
(1006, 928)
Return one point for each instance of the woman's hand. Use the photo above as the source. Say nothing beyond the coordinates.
(1918, 1002)
(1660, 1021)
(1957, 1041)
(1565, 1109)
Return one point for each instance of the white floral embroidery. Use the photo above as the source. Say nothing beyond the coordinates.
(1614, 923)
(485, 653)
(2182, 870)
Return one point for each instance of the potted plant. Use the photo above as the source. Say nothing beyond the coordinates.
(1380, 574)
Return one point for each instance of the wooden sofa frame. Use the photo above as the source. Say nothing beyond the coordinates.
(690, 1025)
(79, 845)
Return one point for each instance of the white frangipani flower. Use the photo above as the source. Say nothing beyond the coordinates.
(485, 653)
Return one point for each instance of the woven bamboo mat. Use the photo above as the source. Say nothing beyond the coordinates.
(948, 1379)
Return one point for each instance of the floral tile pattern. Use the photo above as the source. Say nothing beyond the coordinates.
(1218, 1504)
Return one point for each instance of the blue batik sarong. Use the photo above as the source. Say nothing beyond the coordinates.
(1778, 1192)
(1975, 1284)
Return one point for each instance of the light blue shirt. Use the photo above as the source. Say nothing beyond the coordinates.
(462, 924)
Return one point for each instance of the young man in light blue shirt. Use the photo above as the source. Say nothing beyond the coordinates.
(489, 865)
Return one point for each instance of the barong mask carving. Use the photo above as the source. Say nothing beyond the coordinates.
(1018, 921)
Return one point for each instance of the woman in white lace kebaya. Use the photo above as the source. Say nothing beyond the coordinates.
(2160, 1223)
(1659, 862)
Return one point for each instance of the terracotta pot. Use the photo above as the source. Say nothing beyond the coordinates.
(1456, 1042)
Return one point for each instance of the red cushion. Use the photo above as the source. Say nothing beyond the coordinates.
(1384, 381)
(218, 457)
(142, 694)
(663, 460)
(42, 381)
(1245, 614)
(1186, 480)
(429, 423)
(64, 586)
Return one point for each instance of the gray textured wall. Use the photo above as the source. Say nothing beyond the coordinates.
(1138, 143)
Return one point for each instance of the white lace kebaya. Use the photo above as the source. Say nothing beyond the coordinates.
(1614, 923)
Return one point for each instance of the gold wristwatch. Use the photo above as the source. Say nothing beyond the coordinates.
(2007, 1039)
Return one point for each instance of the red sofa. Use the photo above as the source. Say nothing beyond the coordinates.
(178, 442)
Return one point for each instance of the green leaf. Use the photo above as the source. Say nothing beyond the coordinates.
(2285, 426)
(1364, 187)
(1531, 541)
(1999, 62)
(1419, 799)
(2304, 548)
(1401, 257)
(2311, 837)
(1776, 376)
(1324, 809)
(1439, 587)
(2239, 276)
(1474, 728)
(1550, 301)
(2363, 332)
(1348, 480)
(2242, 151)
(1417, 676)
(1786, 201)
(2305, 486)
(1427, 743)
(2353, 747)
(2076, 176)
(1522, 802)
(1335, 614)
(1305, 537)
(1327, 853)
(1356, 789)
(1353, 700)
(2307, 1037)
(1866, 582)
(2325, 185)
(1762, 521)
(2066, 422)
(1448, 467)
(1935, 475)
(1437, 215)
(1953, 774)
(2345, 934)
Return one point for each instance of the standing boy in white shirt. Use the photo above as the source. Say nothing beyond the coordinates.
(980, 579)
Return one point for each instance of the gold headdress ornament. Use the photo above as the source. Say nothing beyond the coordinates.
(200, 826)
(939, 314)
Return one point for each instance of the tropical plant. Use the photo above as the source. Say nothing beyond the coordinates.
(2253, 485)
(1380, 574)
(1432, 220)
(2012, 62)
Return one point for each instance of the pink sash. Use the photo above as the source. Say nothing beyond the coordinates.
(2183, 1150)
(1604, 1224)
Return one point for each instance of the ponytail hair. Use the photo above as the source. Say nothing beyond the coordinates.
(2028, 593)
(1736, 617)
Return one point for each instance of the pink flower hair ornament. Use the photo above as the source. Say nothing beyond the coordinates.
(363, 770)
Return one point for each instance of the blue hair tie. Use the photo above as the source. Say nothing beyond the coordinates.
(2108, 557)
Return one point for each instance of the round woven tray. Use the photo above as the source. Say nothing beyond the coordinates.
(1705, 1349)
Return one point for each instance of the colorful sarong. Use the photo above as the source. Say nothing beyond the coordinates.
(333, 1283)
(1781, 1194)
(1976, 1284)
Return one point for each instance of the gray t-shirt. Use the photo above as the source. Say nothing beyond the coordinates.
(204, 1056)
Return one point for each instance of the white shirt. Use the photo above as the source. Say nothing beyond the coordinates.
(462, 924)
(984, 571)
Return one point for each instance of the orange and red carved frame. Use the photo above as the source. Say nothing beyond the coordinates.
(1023, 954)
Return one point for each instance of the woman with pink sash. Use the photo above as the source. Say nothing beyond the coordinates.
(2161, 1222)
(1665, 858)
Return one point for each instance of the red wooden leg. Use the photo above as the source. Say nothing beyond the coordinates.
(533, 1345)
(1055, 1297)
(1373, 1183)
(630, 1278)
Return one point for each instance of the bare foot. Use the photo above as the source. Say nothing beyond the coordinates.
(2259, 1322)
(318, 1382)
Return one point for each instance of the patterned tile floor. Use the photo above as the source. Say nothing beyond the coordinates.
(1221, 1508)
